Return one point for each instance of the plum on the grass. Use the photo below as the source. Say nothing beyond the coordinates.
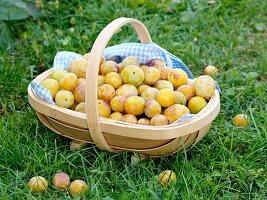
(240, 120)
(38, 183)
(78, 187)
(167, 177)
(61, 180)
(210, 70)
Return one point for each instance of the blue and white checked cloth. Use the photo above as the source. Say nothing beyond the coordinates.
(144, 52)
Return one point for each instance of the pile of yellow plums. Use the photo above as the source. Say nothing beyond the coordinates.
(61, 181)
(146, 94)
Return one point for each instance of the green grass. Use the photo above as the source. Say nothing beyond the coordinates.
(229, 163)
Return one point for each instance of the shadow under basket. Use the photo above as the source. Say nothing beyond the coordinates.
(116, 136)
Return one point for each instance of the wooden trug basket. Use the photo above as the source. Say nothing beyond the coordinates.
(116, 136)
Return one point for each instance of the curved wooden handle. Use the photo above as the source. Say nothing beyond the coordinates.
(92, 74)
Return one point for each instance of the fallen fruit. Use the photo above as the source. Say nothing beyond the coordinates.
(167, 177)
(61, 180)
(210, 70)
(38, 183)
(240, 120)
(78, 187)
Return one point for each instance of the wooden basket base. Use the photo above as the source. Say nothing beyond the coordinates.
(153, 148)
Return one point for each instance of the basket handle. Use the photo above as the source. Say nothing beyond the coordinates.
(92, 74)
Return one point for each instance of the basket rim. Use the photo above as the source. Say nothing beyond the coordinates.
(203, 118)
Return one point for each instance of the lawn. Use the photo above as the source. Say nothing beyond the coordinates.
(228, 163)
